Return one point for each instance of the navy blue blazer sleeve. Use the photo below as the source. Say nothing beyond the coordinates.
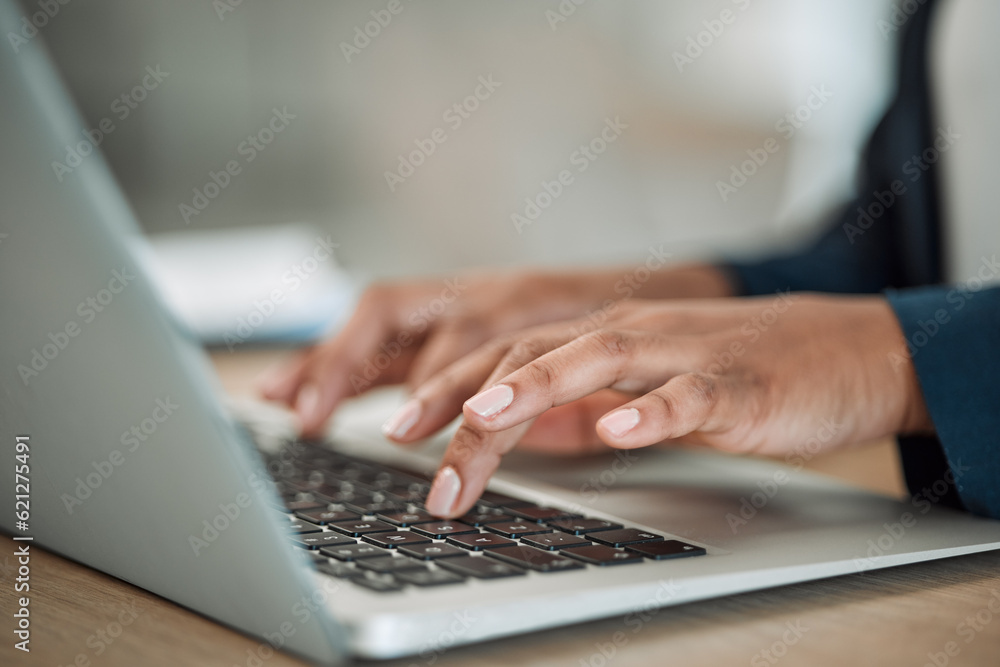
(889, 240)
(953, 338)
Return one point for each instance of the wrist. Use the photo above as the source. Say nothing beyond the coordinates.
(915, 418)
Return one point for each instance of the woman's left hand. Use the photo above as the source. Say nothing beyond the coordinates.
(759, 375)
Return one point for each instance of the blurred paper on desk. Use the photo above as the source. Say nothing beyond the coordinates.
(254, 285)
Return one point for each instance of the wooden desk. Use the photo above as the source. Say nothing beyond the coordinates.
(909, 615)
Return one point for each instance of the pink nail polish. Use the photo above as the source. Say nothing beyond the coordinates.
(492, 401)
(444, 492)
(402, 420)
(620, 422)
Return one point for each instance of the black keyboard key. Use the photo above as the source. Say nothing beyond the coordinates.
(494, 499)
(515, 529)
(358, 528)
(395, 539)
(598, 554)
(479, 541)
(485, 518)
(534, 559)
(582, 526)
(539, 514)
(300, 527)
(408, 518)
(666, 549)
(432, 551)
(378, 584)
(553, 541)
(441, 529)
(338, 569)
(429, 578)
(350, 552)
(323, 516)
(389, 565)
(313, 541)
(619, 538)
(480, 568)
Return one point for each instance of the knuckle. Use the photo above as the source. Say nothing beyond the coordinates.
(541, 375)
(468, 443)
(702, 387)
(611, 343)
(665, 404)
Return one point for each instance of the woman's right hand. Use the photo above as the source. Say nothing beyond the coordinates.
(406, 331)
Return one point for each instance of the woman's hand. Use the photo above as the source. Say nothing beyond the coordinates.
(408, 331)
(743, 375)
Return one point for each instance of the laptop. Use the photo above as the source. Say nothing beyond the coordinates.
(133, 465)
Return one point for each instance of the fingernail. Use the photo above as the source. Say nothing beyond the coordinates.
(402, 420)
(307, 403)
(444, 492)
(620, 422)
(490, 402)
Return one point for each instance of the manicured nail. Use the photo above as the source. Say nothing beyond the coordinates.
(402, 420)
(307, 404)
(490, 402)
(444, 492)
(620, 422)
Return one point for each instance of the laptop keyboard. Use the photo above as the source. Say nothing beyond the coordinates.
(364, 522)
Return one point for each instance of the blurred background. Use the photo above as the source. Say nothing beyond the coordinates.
(698, 84)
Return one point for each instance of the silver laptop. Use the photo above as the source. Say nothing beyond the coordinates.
(132, 465)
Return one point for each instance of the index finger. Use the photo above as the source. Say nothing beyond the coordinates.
(473, 455)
